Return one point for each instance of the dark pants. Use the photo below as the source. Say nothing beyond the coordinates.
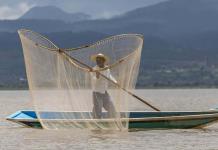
(102, 100)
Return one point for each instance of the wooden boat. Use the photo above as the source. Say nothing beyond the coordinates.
(138, 120)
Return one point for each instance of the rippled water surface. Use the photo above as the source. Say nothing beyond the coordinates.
(14, 136)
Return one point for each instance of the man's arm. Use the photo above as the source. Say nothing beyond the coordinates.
(111, 77)
(97, 75)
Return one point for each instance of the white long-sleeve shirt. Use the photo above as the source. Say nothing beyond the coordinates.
(101, 84)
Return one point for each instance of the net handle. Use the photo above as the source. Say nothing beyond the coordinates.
(67, 56)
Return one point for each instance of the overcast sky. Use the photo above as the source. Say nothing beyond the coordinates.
(12, 9)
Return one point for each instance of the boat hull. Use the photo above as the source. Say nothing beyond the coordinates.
(137, 120)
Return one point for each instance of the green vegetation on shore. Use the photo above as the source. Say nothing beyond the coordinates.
(195, 76)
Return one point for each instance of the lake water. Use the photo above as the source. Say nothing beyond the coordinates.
(14, 136)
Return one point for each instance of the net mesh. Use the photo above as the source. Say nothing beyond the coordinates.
(70, 91)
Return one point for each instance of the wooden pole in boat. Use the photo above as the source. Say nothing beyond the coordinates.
(70, 58)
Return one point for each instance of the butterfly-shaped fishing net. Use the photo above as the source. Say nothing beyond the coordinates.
(70, 91)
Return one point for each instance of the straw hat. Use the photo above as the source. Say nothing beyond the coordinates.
(99, 55)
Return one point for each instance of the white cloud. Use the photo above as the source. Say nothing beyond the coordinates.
(14, 12)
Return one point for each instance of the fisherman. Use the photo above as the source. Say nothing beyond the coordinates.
(101, 98)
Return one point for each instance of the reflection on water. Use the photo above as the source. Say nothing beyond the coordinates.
(14, 136)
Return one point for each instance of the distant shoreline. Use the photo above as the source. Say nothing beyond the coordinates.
(138, 88)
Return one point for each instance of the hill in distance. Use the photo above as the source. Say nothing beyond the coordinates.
(54, 13)
(180, 41)
(173, 18)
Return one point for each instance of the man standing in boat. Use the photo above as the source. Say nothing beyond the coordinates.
(101, 98)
